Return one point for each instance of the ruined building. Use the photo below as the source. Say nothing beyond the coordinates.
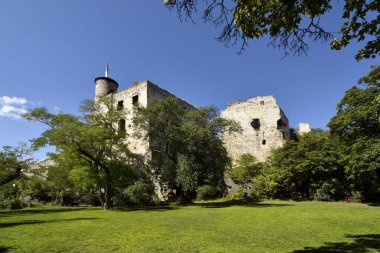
(140, 93)
(264, 125)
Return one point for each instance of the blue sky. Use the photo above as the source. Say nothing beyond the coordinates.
(51, 51)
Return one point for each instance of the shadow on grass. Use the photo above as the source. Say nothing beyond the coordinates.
(6, 249)
(361, 243)
(147, 208)
(245, 203)
(33, 222)
(221, 204)
(29, 211)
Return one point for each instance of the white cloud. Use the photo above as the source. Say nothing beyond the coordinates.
(12, 107)
(5, 100)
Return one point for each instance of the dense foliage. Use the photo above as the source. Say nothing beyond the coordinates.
(93, 139)
(357, 124)
(330, 165)
(187, 151)
(13, 166)
(310, 168)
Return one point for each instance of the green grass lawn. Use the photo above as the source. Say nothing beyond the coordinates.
(269, 226)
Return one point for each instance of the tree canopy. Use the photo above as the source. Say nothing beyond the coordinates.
(327, 165)
(359, 110)
(357, 124)
(92, 138)
(13, 163)
(187, 151)
(288, 24)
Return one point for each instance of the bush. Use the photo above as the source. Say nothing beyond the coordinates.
(139, 193)
(206, 192)
(237, 195)
(328, 191)
(10, 203)
(9, 198)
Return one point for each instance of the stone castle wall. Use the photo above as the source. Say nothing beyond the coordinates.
(265, 127)
(142, 94)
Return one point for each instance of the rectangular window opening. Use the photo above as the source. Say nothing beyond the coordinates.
(135, 99)
(120, 105)
(121, 126)
(264, 142)
(262, 102)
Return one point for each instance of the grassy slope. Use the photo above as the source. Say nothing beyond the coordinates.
(270, 226)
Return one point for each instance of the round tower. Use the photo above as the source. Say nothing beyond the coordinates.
(105, 85)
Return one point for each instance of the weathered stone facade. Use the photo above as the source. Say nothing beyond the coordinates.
(264, 124)
(265, 127)
(140, 93)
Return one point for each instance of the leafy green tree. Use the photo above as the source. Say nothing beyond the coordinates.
(299, 170)
(69, 180)
(139, 193)
(13, 162)
(247, 167)
(357, 123)
(363, 167)
(288, 24)
(92, 138)
(187, 151)
(359, 110)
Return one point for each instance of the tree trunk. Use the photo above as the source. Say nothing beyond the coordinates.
(108, 203)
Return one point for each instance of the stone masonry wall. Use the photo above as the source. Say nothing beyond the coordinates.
(136, 145)
(146, 92)
(264, 125)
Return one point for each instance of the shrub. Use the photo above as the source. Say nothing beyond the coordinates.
(206, 192)
(240, 193)
(328, 191)
(139, 193)
(9, 198)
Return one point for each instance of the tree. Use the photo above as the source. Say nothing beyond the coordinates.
(288, 24)
(312, 167)
(246, 168)
(187, 151)
(93, 138)
(359, 110)
(357, 123)
(67, 181)
(13, 163)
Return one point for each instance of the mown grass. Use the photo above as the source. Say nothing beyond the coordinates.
(270, 226)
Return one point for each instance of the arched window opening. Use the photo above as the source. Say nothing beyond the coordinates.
(280, 124)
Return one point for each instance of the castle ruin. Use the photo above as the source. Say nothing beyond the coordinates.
(139, 94)
(264, 124)
(265, 127)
